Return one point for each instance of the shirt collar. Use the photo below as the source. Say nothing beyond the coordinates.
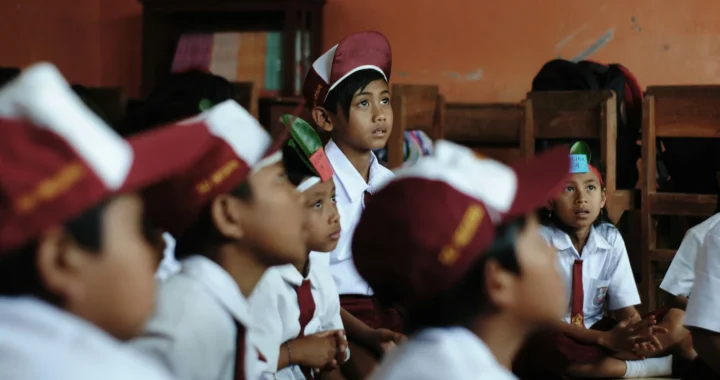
(348, 178)
(220, 284)
(292, 276)
(561, 240)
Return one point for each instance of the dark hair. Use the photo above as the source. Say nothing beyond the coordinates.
(342, 95)
(176, 98)
(203, 233)
(461, 304)
(84, 95)
(18, 271)
(295, 166)
(551, 219)
(7, 74)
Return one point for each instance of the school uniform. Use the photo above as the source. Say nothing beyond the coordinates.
(600, 276)
(285, 306)
(680, 276)
(442, 353)
(352, 192)
(200, 328)
(704, 304)
(169, 265)
(423, 232)
(40, 341)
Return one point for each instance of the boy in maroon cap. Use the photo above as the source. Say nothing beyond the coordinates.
(233, 213)
(76, 266)
(456, 242)
(347, 91)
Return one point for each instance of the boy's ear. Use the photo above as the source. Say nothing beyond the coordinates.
(322, 118)
(551, 205)
(499, 285)
(59, 260)
(226, 212)
(603, 198)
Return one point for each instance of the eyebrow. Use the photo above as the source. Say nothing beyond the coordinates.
(590, 180)
(370, 93)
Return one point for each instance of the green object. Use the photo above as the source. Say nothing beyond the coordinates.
(205, 104)
(303, 139)
(581, 147)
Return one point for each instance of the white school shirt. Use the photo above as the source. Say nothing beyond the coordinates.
(350, 188)
(169, 265)
(606, 270)
(704, 305)
(40, 342)
(440, 354)
(274, 307)
(193, 331)
(680, 276)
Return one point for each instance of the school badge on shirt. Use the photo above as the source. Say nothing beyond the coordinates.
(600, 295)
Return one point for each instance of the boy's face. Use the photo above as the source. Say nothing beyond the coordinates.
(323, 218)
(540, 295)
(274, 219)
(114, 288)
(370, 120)
(580, 202)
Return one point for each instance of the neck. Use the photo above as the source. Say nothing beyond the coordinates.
(502, 335)
(242, 265)
(360, 159)
(303, 266)
(579, 237)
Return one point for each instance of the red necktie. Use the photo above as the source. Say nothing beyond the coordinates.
(577, 317)
(366, 197)
(307, 311)
(240, 353)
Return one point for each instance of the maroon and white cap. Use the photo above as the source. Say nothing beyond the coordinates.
(360, 51)
(422, 232)
(58, 159)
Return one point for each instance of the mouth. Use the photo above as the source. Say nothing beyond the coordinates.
(582, 213)
(379, 132)
(335, 235)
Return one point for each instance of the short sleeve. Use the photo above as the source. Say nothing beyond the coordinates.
(190, 335)
(704, 303)
(622, 290)
(265, 313)
(680, 276)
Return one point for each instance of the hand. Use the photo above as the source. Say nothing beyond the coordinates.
(633, 337)
(341, 346)
(384, 340)
(315, 351)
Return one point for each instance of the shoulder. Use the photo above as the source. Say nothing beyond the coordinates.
(611, 234)
(547, 232)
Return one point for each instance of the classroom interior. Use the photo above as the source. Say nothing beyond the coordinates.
(462, 71)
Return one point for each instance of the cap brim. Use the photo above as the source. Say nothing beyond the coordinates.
(164, 152)
(540, 179)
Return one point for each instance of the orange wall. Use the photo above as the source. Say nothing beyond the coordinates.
(476, 50)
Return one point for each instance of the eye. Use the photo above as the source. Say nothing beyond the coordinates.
(333, 199)
(569, 189)
(591, 187)
(281, 177)
(386, 101)
(364, 103)
(317, 204)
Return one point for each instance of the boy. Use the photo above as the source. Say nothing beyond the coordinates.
(703, 307)
(76, 269)
(296, 305)
(455, 241)
(347, 91)
(233, 214)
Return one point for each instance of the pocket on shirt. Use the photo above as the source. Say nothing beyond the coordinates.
(599, 290)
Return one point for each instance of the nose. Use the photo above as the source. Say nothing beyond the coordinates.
(580, 197)
(379, 115)
(334, 216)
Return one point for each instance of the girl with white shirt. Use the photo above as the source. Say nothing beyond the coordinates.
(596, 270)
(296, 306)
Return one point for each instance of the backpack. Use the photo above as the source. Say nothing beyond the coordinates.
(563, 75)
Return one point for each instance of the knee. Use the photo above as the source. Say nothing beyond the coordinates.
(673, 322)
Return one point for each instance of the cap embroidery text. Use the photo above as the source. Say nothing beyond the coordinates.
(51, 187)
(463, 234)
(217, 177)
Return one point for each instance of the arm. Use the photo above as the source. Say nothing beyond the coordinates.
(707, 345)
(673, 301)
(356, 329)
(580, 333)
(622, 290)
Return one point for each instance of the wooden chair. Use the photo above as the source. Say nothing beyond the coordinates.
(492, 129)
(581, 115)
(671, 111)
(415, 107)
